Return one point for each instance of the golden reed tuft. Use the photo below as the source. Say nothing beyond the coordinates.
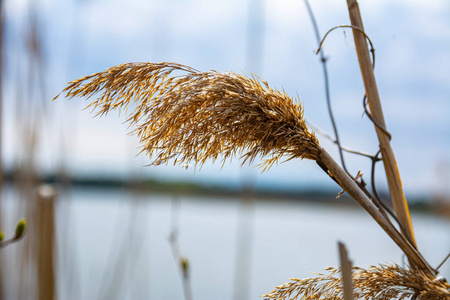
(383, 282)
(200, 115)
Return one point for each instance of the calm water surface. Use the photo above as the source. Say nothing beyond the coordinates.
(114, 245)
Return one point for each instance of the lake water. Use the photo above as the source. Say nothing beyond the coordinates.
(114, 245)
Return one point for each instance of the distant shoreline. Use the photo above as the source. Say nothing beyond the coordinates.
(177, 187)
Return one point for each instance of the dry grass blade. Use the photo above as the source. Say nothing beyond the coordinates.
(383, 282)
(200, 115)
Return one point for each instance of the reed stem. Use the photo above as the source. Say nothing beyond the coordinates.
(390, 165)
(337, 173)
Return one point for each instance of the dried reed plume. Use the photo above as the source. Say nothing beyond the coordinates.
(204, 115)
(201, 115)
(383, 282)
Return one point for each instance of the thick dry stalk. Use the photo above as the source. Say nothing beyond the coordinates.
(390, 165)
(337, 173)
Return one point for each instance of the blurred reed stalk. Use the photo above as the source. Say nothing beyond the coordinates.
(390, 165)
(1, 142)
(1, 106)
(46, 197)
(254, 62)
(181, 261)
(207, 115)
(29, 119)
(244, 241)
(346, 269)
(123, 257)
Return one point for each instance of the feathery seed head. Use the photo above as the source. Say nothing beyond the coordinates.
(383, 282)
(200, 115)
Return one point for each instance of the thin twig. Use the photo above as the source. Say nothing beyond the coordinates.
(181, 261)
(327, 85)
(329, 137)
(8, 242)
(372, 181)
(443, 262)
(369, 115)
(375, 159)
(384, 208)
(372, 49)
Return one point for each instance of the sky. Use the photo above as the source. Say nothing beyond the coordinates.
(411, 40)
